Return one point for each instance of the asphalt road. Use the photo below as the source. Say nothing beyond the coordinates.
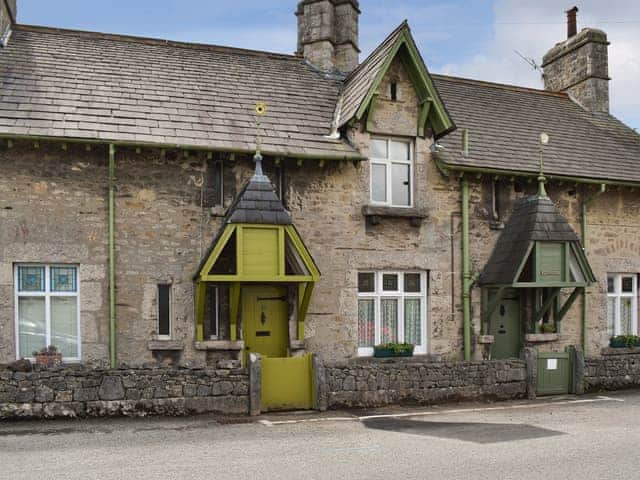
(586, 438)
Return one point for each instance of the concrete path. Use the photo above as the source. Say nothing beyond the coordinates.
(593, 437)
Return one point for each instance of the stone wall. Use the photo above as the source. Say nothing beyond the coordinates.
(613, 371)
(378, 382)
(81, 392)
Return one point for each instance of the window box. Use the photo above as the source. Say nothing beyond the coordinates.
(624, 341)
(375, 213)
(393, 350)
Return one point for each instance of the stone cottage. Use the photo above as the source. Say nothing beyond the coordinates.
(186, 203)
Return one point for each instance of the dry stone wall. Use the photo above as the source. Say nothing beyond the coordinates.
(374, 382)
(80, 392)
(613, 371)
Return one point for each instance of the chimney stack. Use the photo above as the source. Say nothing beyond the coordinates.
(579, 66)
(328, 33)
(8, 11)
(572, 24)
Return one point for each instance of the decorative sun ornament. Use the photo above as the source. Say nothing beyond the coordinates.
(261, 108)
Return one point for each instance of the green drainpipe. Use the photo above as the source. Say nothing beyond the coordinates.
(585, 245)
(466, 271)
(112, 260)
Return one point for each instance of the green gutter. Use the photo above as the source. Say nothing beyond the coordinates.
(466, 271)
(112, 260)
(585, 244)
(169, 146)
(446, 170)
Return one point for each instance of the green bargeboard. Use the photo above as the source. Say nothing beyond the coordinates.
(505, 328)
(554, 373)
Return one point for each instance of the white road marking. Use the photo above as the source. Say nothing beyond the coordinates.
(600, 398)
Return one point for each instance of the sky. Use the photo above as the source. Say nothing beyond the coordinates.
(468, 38)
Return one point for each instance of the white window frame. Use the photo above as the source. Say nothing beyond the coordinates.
(170, 335)
(388, 164)
(378, 295)
(618, 295)
(47, 295)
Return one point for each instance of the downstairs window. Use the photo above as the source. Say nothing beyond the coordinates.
(622, 304)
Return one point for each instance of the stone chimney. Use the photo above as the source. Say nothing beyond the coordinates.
(328, 33)
(579, 66)
(8, 11)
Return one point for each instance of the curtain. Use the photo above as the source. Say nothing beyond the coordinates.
(611, 315)
(626, 315)
(366, 323)
(64, 325)
(412, 321)
(389, 320)
(32, 331)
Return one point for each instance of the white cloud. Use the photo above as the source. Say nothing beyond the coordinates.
(532, 28)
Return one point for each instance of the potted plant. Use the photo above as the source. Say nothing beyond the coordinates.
(548, 328)
(393, 350)
(48, 357)
(624, 341)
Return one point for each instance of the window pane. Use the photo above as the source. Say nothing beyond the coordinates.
(611, 315)
(211, 309)
(412, 283)
(626, 328)
(31, 325)
(412, 321)
(31, 279)
(611, 287)
(366, 282)
(366, 323)
(389, 320)
(378, 182)
(64, 325)
(400, 184)
(379, 148)
(400, 151)
(390, 282)
(63, 279)
(164, 327)
(627, 284)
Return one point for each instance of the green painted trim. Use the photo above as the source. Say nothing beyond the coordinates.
(545, 306)
(258, 278)
(239, 250)
(466, 271)
(549, 285)
(491, 306)
(112, 259)
(281, 252)
(217, 250)
(304, 307)
(425, 108)
(524, 261)
(567, 305)
(234, 308)
(419, 74)
(303, 252)
(446, 169)
(201, 288)
(177, 146)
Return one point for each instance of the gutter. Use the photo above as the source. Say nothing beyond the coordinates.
(112, 261)
(585, 242)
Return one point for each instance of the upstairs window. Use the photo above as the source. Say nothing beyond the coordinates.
(47, 310)
(622, 304)
(391, 172)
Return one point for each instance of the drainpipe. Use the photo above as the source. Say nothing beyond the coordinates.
(466, 271)
(585, 245)
(112, 260)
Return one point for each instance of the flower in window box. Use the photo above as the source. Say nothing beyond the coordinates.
(393, 350)
(48, 357)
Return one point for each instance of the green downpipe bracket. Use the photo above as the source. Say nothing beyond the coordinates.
(112, 260)
(585, 245)
(466, 271)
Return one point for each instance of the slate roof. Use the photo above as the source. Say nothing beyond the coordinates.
(72, 84)
(504, 124)
(534, 218)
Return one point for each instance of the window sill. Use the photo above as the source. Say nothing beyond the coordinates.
(218, 211)
(224, 345)
(165, 345)
(375, 213)
(486, 339)
(541, 337)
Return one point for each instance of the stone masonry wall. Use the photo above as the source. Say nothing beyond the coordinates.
(377, 382)
(81, 392)
(612, 372)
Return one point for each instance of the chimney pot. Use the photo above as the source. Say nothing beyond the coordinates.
(572, 23)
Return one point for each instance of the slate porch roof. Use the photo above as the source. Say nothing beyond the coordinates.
(534, 218)
(72, 84)
(504, 123)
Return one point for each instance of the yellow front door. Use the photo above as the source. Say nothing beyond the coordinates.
(264, 315)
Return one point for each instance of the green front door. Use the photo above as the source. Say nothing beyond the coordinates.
(504, 325)
(265, 322)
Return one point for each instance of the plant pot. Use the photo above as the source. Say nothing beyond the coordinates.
(388, 352)
(49, 360)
